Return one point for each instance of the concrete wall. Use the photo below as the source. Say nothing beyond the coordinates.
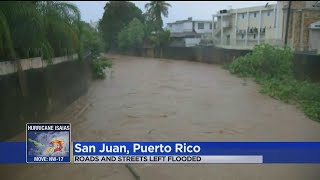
(181, 27)
(306, 66)
(49, 89)
(8, 67)
(206, 28)
(189, 42)
(202, 54)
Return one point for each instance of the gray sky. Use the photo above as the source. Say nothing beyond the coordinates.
(201, 10)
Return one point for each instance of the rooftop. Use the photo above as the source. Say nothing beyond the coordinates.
(247, 9)
(188, 20)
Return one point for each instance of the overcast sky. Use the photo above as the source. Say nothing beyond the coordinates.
(201, 10)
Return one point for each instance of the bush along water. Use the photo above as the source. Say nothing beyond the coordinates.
(273, 68)
(98, 67)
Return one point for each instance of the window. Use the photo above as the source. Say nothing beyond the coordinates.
(242, 36)
(210, 26)
(243, 16)
(214, 26)
(254, 36)
(255, 14)
(268, 13)
(200, 25)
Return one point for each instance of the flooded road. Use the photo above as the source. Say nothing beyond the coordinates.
(145, 99)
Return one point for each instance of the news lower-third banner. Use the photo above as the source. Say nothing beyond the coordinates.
(60, 150)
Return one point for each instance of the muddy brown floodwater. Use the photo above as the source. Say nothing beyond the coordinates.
(145, 99)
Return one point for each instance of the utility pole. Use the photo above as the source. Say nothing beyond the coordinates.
(287, 26)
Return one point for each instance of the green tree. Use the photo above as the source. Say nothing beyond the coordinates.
(149, 25)
(156, 9)
(46, 28)
(135, 33)
(132, 36)
(160, 39)
(90, 40)
(37, 28)
(123, 38)
(117, 15)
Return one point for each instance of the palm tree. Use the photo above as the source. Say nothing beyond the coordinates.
(37, 28)
(157, 8)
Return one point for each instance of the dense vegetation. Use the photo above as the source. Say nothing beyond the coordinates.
(38, 28)
(273, 69)
(117, 15)
(132, 29)
(48, 29)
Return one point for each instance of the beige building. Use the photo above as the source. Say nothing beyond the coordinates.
(304, 25)
(246, 27)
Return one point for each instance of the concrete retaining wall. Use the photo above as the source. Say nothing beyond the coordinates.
(50, 90)
(8, 67)
(306, 66)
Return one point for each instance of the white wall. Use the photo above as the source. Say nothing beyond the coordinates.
(191, 41)
(187, 26)
(181, 27)
(206, 28)
(8, 67)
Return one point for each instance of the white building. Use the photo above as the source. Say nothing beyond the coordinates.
(246, 27)
(190, 32)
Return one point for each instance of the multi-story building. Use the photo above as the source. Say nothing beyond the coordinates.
(246, 27)
(189, 32)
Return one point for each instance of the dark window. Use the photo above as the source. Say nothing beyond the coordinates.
(254, 36)
(210, 26)
(200, 25)
(268, 13)
(243, 16)
(242, 36)
(255, 14)
(214, 26)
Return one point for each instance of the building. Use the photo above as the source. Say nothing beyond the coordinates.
(304, 25)
(246, 27)
(189, 32)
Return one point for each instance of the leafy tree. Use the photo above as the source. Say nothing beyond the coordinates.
(123, 38)
(116, 16)
(160, 39)
(46, 28)
(132, 36)
(91, 43)
(37, 28)
(135, 33)
(149, 25)
(156, 9)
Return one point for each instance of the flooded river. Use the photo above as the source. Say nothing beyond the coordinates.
(145, 99)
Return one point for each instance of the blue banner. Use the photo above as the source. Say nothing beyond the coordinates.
(12, 152)
(272, 152)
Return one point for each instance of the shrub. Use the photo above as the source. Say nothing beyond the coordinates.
(273, 69)
(98, 67)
